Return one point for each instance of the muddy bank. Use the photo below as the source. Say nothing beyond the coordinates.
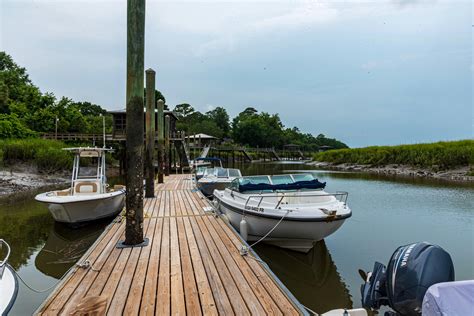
(456, 175)
(25, 178)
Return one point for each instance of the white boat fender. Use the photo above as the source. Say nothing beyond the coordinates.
(243, 229)
(225, 218)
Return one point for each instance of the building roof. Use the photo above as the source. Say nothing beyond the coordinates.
(202, 136)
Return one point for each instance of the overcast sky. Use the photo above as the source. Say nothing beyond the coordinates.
(368, 73)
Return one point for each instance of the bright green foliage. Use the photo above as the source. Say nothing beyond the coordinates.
(12, 127)
(266, 130)
(249, 128)
(194, 122)
(441, 155)
(37, 111)
(220, 117)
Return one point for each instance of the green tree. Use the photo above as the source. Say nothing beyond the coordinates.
(220, 117)
(12, 127)
(183, 110)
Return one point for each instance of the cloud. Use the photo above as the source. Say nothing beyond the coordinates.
(228, 24)
(407, 3)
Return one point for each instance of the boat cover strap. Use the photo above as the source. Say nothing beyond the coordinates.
(309, 184)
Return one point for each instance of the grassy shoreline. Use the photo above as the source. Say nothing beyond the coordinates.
(435, 156)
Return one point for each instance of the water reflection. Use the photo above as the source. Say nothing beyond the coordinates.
(312, 277)
(25, 225)
(65, 246)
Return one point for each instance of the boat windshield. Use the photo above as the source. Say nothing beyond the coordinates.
(234, 173)
(303, 177)
(201, 169)
(88, 167)
(290, 182)
(255, 180)
(282, 179)
(209, 171)
(227, 172)
(221, 173)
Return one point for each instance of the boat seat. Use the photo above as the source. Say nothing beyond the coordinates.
(63, 192)
(84, 187)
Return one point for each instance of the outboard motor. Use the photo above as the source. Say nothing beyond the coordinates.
(412, 269)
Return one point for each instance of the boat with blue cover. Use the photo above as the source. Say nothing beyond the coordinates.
(202, 163)
(290, 210)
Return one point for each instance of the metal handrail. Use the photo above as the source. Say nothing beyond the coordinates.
(342, 194)
(5, 260)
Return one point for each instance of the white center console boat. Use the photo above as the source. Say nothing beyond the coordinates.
(88, 197)
(290, 211)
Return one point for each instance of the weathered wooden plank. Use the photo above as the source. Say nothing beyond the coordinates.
(190, 289)
(260, 293)
(208, 304)
(57, 302)
(122, 293)
(163, 297)
(178, 306)
(148, 299)
(192, 203)
(167, 203)
(280, 298)
(228, 268)
(103, 266)
(114, 278)
(220, 281)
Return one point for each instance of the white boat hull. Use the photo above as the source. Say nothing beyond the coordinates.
(295, 235)
(77, 209)
(8, 289)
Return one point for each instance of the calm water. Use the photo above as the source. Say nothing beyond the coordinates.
(387, 213)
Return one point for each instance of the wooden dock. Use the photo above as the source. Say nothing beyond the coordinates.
(191, 266)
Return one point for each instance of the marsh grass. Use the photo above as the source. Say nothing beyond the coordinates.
(46, 155)
(440, 155)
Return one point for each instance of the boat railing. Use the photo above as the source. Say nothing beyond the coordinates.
(339, 195)
(3, 262)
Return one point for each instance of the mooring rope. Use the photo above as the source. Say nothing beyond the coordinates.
(244, 250)
(84, 265)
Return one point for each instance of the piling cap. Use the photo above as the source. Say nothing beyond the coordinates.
(149, 70)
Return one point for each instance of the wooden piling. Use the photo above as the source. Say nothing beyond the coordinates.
(134, 128)
(161, 140)
(150, 133)
(167, 146)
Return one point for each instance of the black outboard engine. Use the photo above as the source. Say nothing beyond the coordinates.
(402, 285)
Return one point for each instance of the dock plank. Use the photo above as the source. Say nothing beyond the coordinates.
(192, 266)
(164, 284)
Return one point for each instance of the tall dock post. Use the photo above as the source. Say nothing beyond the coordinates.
(161, 140)
(134, 128)
(167, 146)
(150, 133)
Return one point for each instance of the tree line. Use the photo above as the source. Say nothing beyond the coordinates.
(25, 111)
(250, 127)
